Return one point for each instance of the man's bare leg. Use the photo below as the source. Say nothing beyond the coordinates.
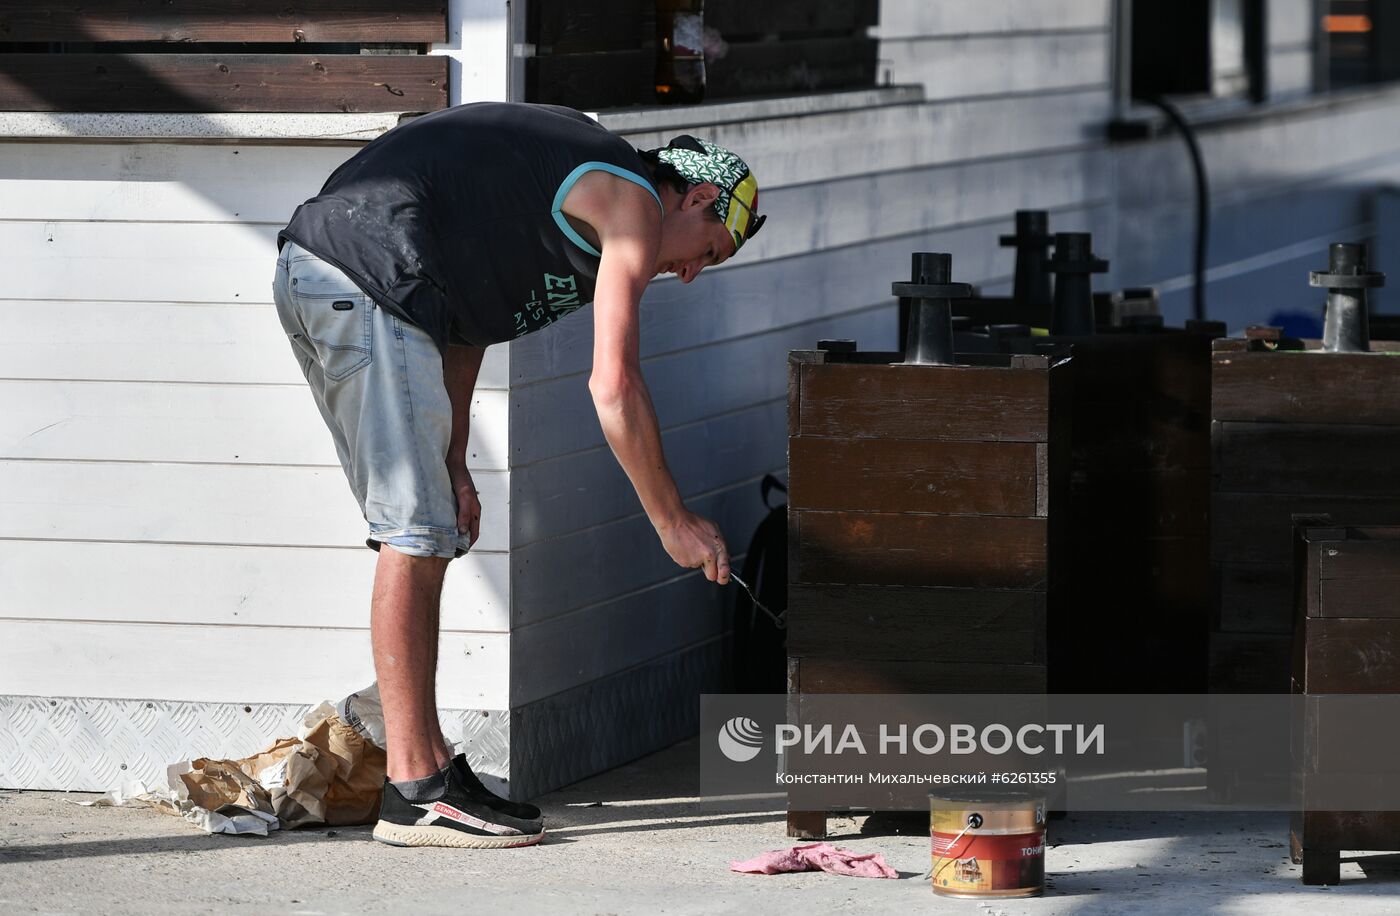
(404, 632)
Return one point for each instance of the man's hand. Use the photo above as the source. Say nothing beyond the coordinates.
(696, 543)
(468, 503)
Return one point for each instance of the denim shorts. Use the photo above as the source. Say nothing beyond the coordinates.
(378, 383)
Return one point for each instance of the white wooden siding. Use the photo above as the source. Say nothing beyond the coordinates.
(168, 489)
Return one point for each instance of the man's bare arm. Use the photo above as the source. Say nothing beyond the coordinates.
(627, 219)
(460, 367)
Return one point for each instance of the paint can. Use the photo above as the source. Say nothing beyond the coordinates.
(988, 847)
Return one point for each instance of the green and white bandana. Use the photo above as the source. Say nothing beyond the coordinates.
(700, 161)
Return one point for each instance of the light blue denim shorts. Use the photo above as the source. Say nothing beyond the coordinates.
(378, 383)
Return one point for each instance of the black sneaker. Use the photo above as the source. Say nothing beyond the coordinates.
(456, 818)
(473, 785)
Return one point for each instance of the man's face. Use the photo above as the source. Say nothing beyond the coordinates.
(692, 237)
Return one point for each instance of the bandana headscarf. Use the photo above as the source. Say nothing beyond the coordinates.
(700, 161)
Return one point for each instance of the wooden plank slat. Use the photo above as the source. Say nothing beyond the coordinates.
(363, 21)
(1307, 458)
(1306, 387)
(1129, 506)
(228, 82)
(884, 622)
(240, 424)
(1354, 655)
(202, 504)
(166, 662)
(959, 403)
(229, 586)
(832, 675)
(911, 475)
(1360, 576)
(940, 550)
(159, 341)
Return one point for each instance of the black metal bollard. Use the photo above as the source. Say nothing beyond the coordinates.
(1073, 311)
(1032, 244)
(930, 338)
(1347, 328)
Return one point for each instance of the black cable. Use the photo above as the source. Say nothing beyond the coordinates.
(1198, 166)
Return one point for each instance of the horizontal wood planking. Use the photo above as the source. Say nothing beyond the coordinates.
(563, 652)
(993, 65)
(262, 665)
(687, 386)
(208, 423)
(1155, 434)
(229, 586)
(1254, 598)
(831, 675)
(201, 504)
(952, 551)
(811, 148)
(203, 343)
(159, 182)
(1352, 656)
(1312, 459)
(1360, 576)
(597, 565)
(927, 624)
(958, 403)
(93, 261)
(554, 497)
(910, 475)
(931, 18)
(366, 21)
(757, 297)
(1257, 527)
(1306, 387)
(222, 82)
(146, 261)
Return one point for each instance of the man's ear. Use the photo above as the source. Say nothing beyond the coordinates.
(701, 195)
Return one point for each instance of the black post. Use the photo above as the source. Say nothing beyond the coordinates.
(1032, 244)
(1073, 311)
(930, 337)
(1347, 328)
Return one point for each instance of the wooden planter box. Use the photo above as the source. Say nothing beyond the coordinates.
(1293, 431)
(1347, 641)
(926, 519)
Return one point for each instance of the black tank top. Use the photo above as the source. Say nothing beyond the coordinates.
(452, 221)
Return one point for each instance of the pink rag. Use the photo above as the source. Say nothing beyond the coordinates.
(817, 857)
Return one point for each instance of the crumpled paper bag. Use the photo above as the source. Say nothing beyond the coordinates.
(332, 773)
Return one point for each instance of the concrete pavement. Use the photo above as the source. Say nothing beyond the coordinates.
(635, 840)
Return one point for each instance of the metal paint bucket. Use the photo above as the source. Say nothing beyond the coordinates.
(993, 847)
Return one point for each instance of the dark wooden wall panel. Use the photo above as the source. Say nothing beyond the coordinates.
(949, 550)
(844, 675)
(229, 82)
(902, 475)
(407, 21)
(937, 624)
(1300, 387)
(956, 404)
